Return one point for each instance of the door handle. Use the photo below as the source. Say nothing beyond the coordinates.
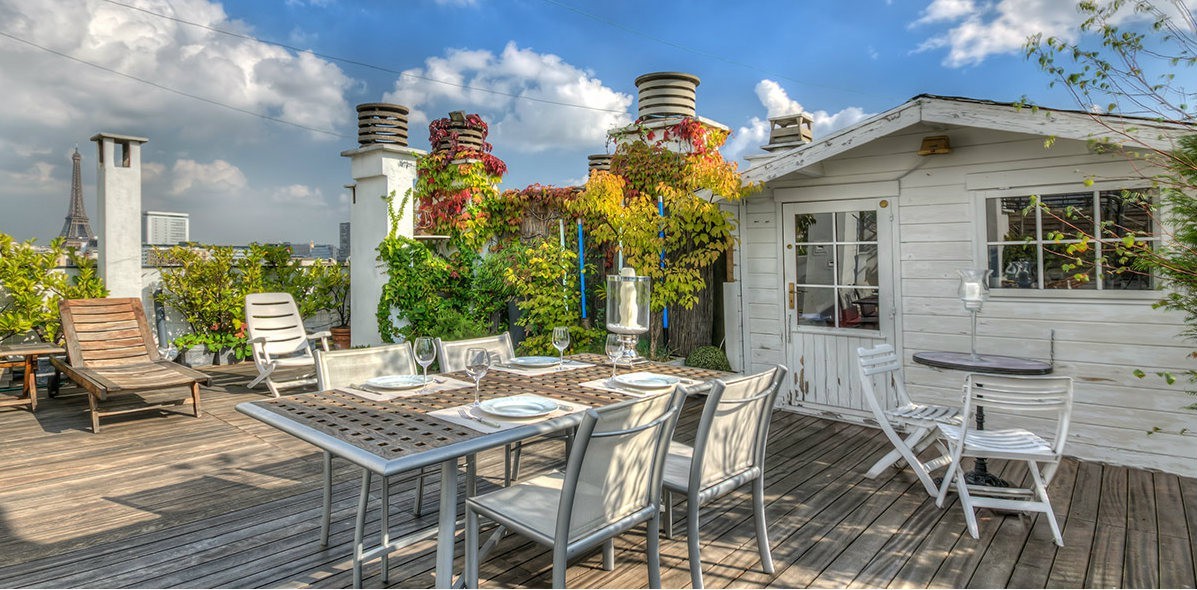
(792, 295)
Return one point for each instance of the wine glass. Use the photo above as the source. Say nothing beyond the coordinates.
(560, 342)
(425, 350)
(614, 348)
(477, 363)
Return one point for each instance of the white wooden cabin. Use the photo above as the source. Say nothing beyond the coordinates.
(907, 223)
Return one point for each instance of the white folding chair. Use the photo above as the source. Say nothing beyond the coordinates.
(1020, 396)
(279, 340)
(728, 452)
(451, 356)
(881, 364)
(611, 483)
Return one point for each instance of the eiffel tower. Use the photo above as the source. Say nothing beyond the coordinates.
(77, 229)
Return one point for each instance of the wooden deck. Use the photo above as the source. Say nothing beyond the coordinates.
(168, 500)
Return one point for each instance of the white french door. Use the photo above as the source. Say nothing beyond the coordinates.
(839, 275)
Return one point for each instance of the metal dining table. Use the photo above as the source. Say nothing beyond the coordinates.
(396, 436)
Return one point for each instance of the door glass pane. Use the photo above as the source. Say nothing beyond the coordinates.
(856, 226)
(812, 227)
(815, 306)
(1006, 222)
(814, 265)
(858, 264)
(859, 309)
(1014, 267)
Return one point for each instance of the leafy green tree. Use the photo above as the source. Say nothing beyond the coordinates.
(1125, 62)
(31, 285)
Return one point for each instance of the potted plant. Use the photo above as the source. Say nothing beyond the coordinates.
(207, 287)
(331, 290)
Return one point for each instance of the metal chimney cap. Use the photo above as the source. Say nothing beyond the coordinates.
(667, 75)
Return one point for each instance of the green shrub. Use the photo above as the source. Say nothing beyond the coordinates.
(708, 357)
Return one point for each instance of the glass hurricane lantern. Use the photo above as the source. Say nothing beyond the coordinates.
(627, 309)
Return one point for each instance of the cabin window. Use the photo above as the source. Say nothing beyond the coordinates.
(1029, 247)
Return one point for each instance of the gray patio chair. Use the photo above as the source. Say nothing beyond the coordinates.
(451, 356)
(728, 452)
(341, 368)
(611, 483)
(1023, 397)
(279, 340)
(880, 368)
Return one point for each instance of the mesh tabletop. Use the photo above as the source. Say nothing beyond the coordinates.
(402, 426)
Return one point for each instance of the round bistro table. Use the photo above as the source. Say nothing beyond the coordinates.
(983, 363)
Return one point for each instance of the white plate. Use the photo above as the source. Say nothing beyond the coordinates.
(534, 361)
(395, 382)
(518, 406)
(647, 381)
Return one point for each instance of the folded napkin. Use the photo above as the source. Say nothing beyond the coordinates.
(607, 385)
(569, 365)
(435, 384)
(475, 419)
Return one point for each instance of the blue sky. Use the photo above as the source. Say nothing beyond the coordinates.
(67, 69)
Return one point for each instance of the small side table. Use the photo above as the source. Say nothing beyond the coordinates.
(29, 352)
(983, 363)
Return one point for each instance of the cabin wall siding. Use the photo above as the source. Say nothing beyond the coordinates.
(1100, 341)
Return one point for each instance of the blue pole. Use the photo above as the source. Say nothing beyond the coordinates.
(661, 210)
(582, 268)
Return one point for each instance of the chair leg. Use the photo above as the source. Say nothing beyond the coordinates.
(966, 502)
(1041, 492)
(668, 509)
(653, 547)
(94, 412)
(692, 541)
(507, 466)
(418, 510)
(326, 512)
(517, 450)
(195, 398)
(470, 575)
(762, 528)
(609, 555)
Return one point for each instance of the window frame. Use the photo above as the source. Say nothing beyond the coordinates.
(981, 240)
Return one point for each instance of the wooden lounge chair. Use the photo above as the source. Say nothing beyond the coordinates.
(111, 352)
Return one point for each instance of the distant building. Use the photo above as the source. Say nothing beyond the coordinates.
(312, 250)
(343, 252)
(163, 228)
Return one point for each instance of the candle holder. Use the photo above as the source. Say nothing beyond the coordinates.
(973, 291)
(627, 310)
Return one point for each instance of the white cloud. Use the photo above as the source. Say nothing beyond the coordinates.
(777, 102)
(298, 195)
(479, 80)
(242, 73)
(978, 31)
(218, 177)
(38, 173)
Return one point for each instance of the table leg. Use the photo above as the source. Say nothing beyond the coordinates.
(31, 380)
(386, 528)
(359, 529)
(326, 508)
(447, 526)
(980, 475)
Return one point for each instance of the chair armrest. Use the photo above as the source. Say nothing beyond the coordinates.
(323, 335)
(86, 379)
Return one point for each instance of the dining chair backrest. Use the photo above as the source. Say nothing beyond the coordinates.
(734, 427)
(275, 318)
(451, 354)
(880, 371)
(340, 368)
(1021, 396)
(616, 464)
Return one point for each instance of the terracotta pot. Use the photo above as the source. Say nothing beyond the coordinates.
(340, 337)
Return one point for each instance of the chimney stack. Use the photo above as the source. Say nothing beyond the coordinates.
(599, 162)
(666, 94)
(380, 122)
(788, 131)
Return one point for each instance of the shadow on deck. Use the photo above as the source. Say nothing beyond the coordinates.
(168, 500)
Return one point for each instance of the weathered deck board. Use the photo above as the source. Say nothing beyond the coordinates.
(166, 500)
